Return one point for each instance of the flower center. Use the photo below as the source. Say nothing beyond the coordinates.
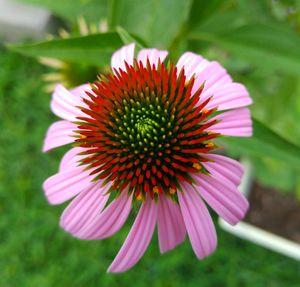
(145, 130)
(142, 125)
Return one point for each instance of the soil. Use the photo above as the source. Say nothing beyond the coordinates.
(275, 211)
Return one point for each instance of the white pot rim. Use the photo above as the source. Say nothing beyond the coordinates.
(255, 234)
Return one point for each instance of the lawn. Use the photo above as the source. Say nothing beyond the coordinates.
(34, 251)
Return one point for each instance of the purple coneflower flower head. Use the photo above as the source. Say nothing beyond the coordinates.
(143, 136)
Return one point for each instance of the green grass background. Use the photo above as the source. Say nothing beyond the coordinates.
(34, 251)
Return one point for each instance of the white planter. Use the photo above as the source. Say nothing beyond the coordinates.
(19, 21)
(255, 234)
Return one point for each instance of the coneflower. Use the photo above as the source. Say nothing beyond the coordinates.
(145, 134)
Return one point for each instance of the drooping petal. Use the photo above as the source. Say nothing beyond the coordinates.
(138, 238)
(58, 134)
(84, 208)
(193, 64)
(233, 123)
(214, 76)
(125, 54)
(64, 185)
(70, 159)
(107, 222)
(227, 163)
(227, 96)
(65, 103)
(170, 224)
(224, 167)
(210, 73)
(223, 197)
(198, 222)
(217, 83)
(153, 55)
(80, 92)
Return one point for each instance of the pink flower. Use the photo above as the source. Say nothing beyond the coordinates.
(143, 134)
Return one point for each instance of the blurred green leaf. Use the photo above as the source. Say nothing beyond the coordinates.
(273, 96)
(271, 172)
(265, 142)
(220, 23)
(270, 47)
(158, 22)
(93, 49)
(91, 10)
(202, 10)
(298, 190)
(256, 11)
(127, 38)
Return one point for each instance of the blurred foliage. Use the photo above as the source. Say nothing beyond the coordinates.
(257, 41)
(35, 252)
(80, 49)
(93, 10)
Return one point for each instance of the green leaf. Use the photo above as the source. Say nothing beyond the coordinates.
(127, 38)
(94, 49)
(274, 173)
(268, 46)
(91, 10)
(158, 22)
(265, 142)
(218, 23)
(203, 10)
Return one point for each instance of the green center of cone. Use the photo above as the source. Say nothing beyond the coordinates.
(144, 126)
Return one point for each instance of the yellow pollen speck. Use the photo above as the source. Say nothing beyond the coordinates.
(172, 190)
(197, 166)
(211, 133)
(139, 196)
(205, 111)
(187, 83)
(83, 136)
(210, 144)
(155, 189)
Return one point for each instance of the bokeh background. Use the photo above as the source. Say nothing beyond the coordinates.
(257, 41)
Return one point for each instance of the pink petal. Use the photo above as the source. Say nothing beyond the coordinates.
(84, 207)
(58, 134)
(138, 238)
(227, 163)
(153, 55)
(233, 123)
(71, 158)
(171, 228)
(227, 96)
(214, 76)
(224, 167)
(192, 63)
(109, 221)
(198, 222)
(125, 54)
(80, 92)
(65, 103)
(62, 186)
(223, 197)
